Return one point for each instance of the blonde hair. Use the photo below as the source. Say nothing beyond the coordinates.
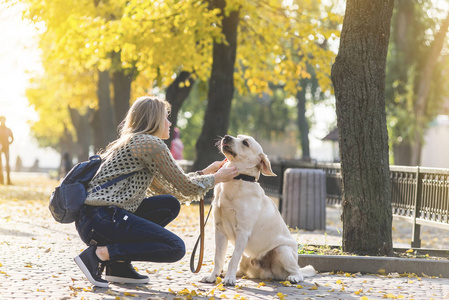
(146, 115)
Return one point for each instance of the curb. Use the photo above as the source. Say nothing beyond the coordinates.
(372, 264)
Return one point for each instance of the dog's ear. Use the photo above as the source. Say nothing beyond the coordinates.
(265, 165)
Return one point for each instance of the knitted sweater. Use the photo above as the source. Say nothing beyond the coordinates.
(157, 174)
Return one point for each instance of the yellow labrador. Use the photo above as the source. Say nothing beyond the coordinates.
(246, 217)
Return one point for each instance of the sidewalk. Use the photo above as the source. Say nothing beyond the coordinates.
(36, 262)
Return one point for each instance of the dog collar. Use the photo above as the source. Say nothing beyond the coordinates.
(246, 178)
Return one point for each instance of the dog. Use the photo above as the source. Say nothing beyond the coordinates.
(250, 220)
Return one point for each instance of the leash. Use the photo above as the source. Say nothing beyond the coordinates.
(200, 238)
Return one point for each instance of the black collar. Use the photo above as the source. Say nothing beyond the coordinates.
(246, 178)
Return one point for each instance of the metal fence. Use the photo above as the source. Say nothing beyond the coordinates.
(418, 195)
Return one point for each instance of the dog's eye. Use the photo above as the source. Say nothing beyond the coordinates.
(245, 143)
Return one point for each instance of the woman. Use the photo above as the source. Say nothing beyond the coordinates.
(125, 222)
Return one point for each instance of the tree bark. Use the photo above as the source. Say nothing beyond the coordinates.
(176, 95)
(66, 146)
(403, 37)
(358, 75)
(83, 133)
(103, 122)
(121, 82)
(303, 125)
(402, 154)
(221, 91)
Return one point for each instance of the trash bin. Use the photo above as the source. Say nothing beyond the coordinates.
(304, 199)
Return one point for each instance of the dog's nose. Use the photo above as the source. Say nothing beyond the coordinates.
(227, 138)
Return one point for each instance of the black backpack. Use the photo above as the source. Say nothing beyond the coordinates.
(68, 198)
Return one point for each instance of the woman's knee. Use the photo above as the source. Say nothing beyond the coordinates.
(179, 250)
(175, 206)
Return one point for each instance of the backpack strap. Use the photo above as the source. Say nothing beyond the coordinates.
(109, 183)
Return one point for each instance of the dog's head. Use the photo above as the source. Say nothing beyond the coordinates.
(245, 153)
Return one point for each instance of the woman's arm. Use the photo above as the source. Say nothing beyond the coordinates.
(170, 178)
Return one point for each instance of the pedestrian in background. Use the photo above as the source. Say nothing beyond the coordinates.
(6, 138)
(177, 147)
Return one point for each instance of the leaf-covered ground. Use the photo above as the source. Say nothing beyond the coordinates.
(36, 260)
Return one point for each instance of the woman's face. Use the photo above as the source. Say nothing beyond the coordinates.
(165, 131)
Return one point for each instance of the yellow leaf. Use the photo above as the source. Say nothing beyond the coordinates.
(184, 292)
(280, 295)
(409, 251)
(339, 281)
(364, 298)
(285, 283)
(381, 272)
(299, 286)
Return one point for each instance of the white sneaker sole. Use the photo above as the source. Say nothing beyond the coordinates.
(86, 272)
(126, 280)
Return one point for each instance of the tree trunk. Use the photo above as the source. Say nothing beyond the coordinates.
(66, 146)
(176, 95)
(423, 91)
(403, 37)
(83, 133)
(221, 91)
(121, 82)
(402, 153)
(95, 123)
(358, 75)
(303, 125)
(403, 33)
(103, 122)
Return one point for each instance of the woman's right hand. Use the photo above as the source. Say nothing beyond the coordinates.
(226, 174)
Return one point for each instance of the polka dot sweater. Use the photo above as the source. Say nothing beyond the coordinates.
(157, 173)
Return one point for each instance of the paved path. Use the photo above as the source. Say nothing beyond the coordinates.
(36, 262)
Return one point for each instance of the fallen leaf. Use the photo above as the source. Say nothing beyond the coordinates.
(280, 295)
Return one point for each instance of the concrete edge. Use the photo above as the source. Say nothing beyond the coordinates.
(372, 264)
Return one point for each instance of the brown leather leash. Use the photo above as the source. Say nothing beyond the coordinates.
(200, 238)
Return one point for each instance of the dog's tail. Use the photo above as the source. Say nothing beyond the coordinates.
(308, 271)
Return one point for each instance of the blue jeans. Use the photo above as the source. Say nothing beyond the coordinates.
(138, 236)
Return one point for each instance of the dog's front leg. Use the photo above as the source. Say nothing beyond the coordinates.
(240, 245)
(221, 243)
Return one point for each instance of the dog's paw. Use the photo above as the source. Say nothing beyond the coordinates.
(295, 278)
(209, 279)
(229, 280)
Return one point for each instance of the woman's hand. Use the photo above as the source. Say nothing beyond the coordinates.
(214, 167)
(225, 174)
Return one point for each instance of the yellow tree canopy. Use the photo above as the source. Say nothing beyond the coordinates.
(159, 38)
(276, 38)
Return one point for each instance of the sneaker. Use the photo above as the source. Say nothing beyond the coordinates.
(89, 263)
(124, 272)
